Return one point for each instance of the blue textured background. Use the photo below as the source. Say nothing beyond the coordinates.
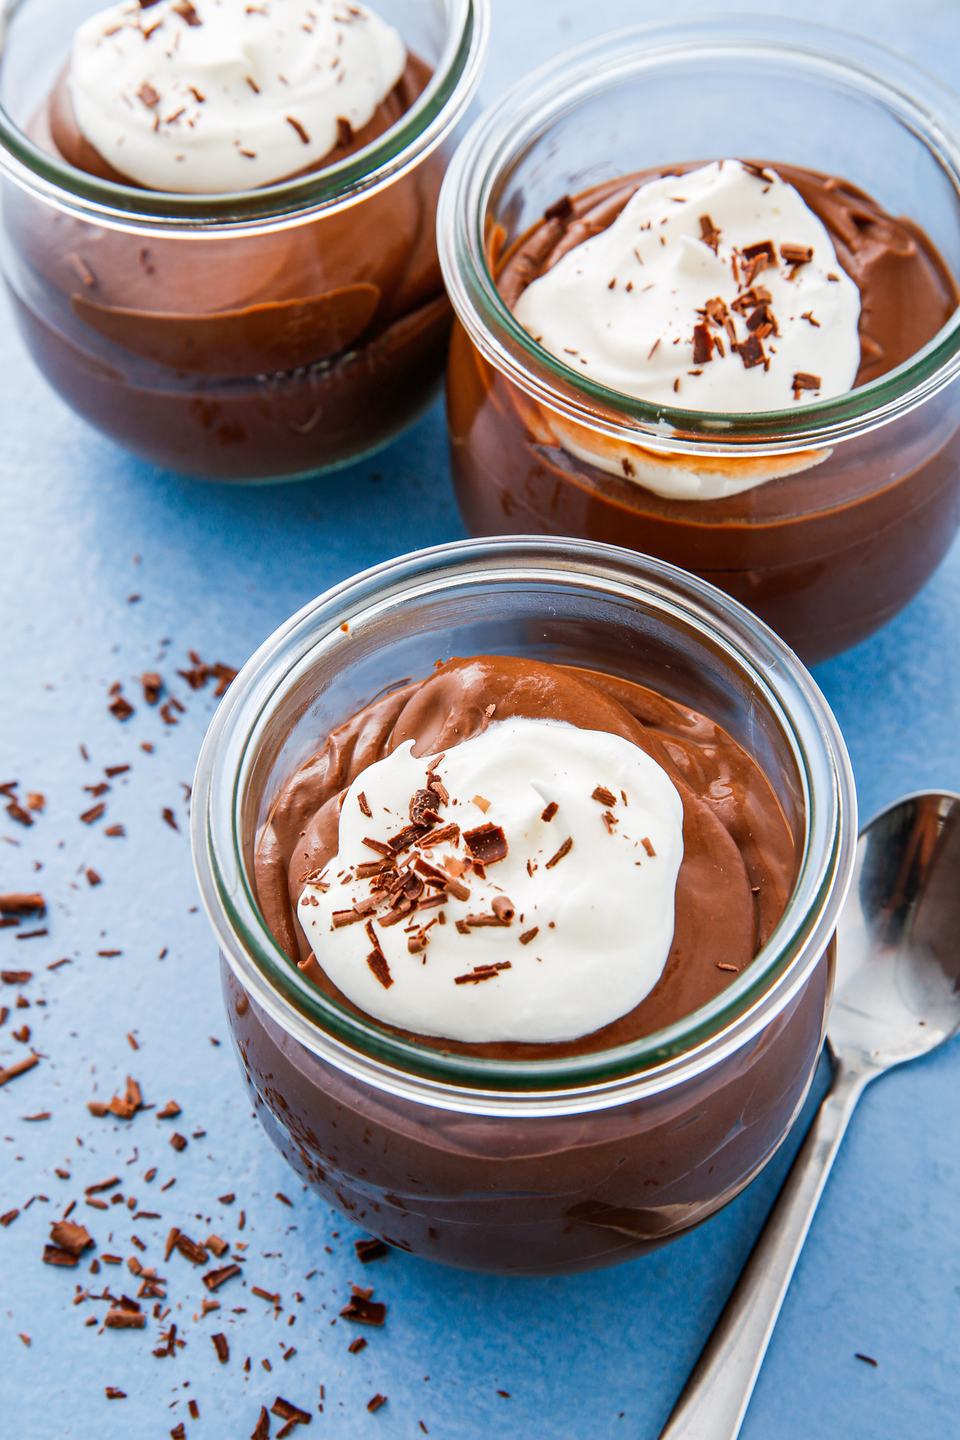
(590, 1356)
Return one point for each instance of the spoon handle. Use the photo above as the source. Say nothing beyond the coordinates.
(715, 1398)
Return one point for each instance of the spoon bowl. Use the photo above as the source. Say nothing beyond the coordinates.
(897, 993)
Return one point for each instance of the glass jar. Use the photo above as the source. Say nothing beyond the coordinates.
(827, 554)
(544, 1166)
(263, 335)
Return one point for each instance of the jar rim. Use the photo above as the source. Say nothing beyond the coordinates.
(399, 149)
(508, 128)
(358, 1045)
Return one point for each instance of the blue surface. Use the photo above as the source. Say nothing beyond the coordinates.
(590, 1356)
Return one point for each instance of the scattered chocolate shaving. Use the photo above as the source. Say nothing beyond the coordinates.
(364, 806)
(170, 818)
(19, 902)
(92, 877)
(93, 813)
(16, 977)
(378, 964)
(368, 1250)
(186, 10)
(69, 1236)
(265, 1295)
(344, 131)
(647, 844)
(121, 709)
(147, 94)
(529, 935)
(215, 1278)
(867, 1359)
(610, 820)
(217, 1245)
(345, 917)
(152, 686)
(758, 171)
(803, 381)
(19, 1067)
(169, 1111)
(808, 315)
(115, 830)
(364, 1310)
(112, 1391)
(732, 968)
(125, 1319)
(113, 770)
(222, 1347)
(262, 1430)
(709, 233)
(191, 1250)
(53, 1255)
(605, 796)
(565, 849)
(486, 844)
(227, 1199)
(376, 1402)
(8, 1218)
(132, 1101)
(291, 1413)
(357, 1345)
(550, 811)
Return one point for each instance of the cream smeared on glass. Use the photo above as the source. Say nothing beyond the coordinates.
(518, 888)
(225, 95)
(717, 290)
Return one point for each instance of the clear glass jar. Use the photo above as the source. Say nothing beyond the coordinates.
(534, 1166)
(268, 334)
(825, 556)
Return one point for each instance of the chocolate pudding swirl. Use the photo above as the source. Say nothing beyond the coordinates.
(907, 294)
(738, 864)
(57, 131)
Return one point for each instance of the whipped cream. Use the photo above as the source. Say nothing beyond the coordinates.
(213, 96)
(694, 266)
(567, 928)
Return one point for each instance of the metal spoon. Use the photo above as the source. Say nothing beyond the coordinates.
(897, 997)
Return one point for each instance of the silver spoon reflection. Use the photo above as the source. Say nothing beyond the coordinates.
(897, 997)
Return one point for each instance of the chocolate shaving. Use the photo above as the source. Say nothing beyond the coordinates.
(447, 834)
(222, 1347)
(52, 1254)
(482, 972)
(16, 977)
(364, 1310)
(169, 1112)
(344, 131)
(406, 837)
(215, 1278)
(803, 381)
(364, 805)
(550, 811)
(184, 9)
(121, 709)
(262, 1430)
(422, 808)
(299, 128)
(378, 964)
(93, 813)
(368, 1250)
(762, 320)
(376, 1402)
(19, 902)
(605, 796)
(702, 344)
(565, 849)
(124, 1109)
(19, 1067)
(345, 917)
(750, 351)
(486, 844)
(709, 234)
(379, 845)
(758, 171)
(529, 935)
(648, 845)
(290, 1413)
(797, 255)
(150, 98)
(124, 1320)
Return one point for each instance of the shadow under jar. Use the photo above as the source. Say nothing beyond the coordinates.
(825, 555)
(533, 1166)
(262, 335)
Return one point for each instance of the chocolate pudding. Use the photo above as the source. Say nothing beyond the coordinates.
(824, 543)
(738, 854)
(273, 352)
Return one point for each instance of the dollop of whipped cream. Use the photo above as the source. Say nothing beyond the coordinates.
(519, 887)
(213, 96)
(717, 290)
